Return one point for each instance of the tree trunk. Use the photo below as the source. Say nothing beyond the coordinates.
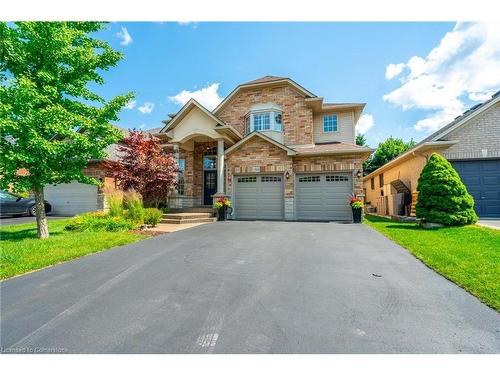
(41, 218)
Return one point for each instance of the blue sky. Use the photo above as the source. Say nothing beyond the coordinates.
(407, 73)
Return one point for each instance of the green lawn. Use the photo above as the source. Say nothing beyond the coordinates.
(469, 256)
(21, 251)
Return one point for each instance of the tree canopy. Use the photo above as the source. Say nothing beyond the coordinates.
(51, 122)
(442, 196)
(360, 140)
(386, 151)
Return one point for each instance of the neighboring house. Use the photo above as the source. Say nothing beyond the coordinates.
(75, 198)
(471, 143)
(276, 149)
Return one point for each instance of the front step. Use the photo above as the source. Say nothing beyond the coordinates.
(205, 209)
(188, 217)
(189, 221)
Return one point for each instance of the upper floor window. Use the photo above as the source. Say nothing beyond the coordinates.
(330, 123)
(263, 121)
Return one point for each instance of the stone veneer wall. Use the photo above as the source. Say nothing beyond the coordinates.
(297, 117)
(97, 171)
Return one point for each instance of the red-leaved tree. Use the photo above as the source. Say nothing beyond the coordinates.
(145, 167)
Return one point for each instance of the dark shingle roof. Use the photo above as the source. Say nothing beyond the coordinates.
(467, 113)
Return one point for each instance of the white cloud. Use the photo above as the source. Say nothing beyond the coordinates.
(392, 70)
(125, 37)
(131, 104)
(146, 108)
(365, 123)
(207, 96)
(465, 64)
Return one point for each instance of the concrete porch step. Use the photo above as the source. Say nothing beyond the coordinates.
(207, 209)
(187, 215)
(209, 219)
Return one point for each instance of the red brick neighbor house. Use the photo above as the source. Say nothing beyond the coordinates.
(276, 149)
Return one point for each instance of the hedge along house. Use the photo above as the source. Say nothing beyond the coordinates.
(276, 149)
(472, 145)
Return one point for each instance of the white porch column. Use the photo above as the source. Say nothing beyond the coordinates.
(220, 166)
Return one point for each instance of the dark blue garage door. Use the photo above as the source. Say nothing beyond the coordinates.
(482, 179)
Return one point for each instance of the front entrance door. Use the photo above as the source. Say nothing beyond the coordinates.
(209, 186)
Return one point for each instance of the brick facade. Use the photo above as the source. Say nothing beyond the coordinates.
(258, 155)
(479, 138)
(297, 117)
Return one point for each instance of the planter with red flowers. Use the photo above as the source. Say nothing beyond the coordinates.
(222, 205)
(357, 207)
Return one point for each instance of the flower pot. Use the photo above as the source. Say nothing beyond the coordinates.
(221, 213)
(356, 215)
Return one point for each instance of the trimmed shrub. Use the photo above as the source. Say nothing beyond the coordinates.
(442, 196)
(132, 201)
(99, 221)
(114, 198)
(152, 216)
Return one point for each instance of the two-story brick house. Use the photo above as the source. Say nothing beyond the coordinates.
(274, 147)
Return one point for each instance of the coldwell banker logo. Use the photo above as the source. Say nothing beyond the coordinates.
(31, 350)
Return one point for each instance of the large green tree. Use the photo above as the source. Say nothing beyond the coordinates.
(51, 122)
(386, 151)
(360, 139)
(442, 196)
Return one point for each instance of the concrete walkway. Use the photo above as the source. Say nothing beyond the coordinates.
(247, 287)
(489, 223)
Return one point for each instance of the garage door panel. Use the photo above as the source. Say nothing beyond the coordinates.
(72, 198)
(259, 197)
(482, 179)
(323, 196)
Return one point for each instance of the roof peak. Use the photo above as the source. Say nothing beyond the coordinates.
(265, 79)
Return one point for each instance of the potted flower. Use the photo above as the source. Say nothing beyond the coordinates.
(221, 205)
(356, 205)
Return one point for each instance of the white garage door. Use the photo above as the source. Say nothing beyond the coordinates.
(324, 196)
(259, 197)
(71, 199)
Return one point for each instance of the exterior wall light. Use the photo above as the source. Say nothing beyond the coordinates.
(359, 173)
(287, 175)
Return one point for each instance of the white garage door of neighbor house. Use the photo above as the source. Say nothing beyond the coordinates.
(259, 197)
(324, 196)
(72, 198)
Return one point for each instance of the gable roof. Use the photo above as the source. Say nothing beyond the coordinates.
(264, 81)
(184, 111)
(435, 140)
(463, 118)
(234, 147)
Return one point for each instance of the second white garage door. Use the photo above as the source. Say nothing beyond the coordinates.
(72, 198)
(259, 197)
(324, 196)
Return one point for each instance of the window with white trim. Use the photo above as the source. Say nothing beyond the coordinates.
(257, 121)
(330, 123)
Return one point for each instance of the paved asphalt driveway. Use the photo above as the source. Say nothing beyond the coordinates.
(247, 287)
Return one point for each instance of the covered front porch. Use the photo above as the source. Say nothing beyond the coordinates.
(198, 140)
